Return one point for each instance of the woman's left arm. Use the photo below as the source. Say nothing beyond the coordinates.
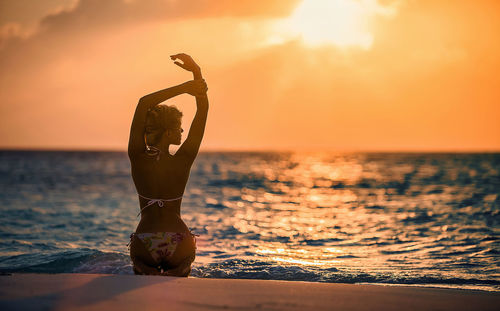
(136, 144)
(191, 145)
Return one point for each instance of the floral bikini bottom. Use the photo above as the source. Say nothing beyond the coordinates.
(161, 245)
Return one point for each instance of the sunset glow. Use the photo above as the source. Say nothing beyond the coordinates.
(339, 75)
(343, 23)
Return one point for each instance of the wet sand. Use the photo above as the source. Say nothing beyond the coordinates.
(130, 292)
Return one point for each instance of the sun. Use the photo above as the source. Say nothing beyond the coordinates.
(343, 23)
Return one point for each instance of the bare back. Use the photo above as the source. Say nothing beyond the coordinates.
(165, 178)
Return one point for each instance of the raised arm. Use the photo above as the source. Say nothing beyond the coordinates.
(136, 143)
(191, 145)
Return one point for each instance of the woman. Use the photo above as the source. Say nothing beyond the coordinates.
(162, 243)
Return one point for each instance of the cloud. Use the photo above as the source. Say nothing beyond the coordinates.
(91, 14)
(96, 17)
(90, 20)
(9, 31)
(414, 87)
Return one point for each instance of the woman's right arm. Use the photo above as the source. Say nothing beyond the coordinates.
(136, 143)
(191, 145)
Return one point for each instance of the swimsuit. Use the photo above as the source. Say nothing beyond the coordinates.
(161, 245)
(156, 201)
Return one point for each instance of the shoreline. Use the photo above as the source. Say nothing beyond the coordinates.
(127, 292)
(438, 286)
(483, 288)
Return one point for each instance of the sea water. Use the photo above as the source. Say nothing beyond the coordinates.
(389, 218)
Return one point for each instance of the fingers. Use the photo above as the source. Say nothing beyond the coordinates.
(176, 56)
(180, 64)
(183, 269)
(143, 268)
(181, 56)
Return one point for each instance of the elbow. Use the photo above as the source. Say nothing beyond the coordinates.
(144, 100)
(131, 152)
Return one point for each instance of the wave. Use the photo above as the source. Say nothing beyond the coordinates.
(74, 261)
(95, 261)
(251, 269)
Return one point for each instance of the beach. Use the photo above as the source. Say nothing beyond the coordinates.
(128, 292)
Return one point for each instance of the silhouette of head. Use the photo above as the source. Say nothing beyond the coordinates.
(163, 122)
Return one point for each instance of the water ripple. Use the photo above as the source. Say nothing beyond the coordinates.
(357, 217)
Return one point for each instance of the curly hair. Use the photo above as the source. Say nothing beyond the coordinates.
(158, 120)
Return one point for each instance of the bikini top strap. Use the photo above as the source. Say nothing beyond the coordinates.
(155, 201)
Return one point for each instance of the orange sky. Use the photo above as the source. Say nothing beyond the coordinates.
(287, 75)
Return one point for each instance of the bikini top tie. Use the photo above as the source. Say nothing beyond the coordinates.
(156, 201)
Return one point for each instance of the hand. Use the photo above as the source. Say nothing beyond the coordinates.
(179, 271)
(195, 87)
(187, 62)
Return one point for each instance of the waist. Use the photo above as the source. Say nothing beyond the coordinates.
(151, 222)
(167, 210)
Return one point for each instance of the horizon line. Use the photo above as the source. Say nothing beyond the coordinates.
(260, 150)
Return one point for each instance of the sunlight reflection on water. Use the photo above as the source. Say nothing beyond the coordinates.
(378, 212)
(397, 218)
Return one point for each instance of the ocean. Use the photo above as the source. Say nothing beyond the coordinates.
(423, 219)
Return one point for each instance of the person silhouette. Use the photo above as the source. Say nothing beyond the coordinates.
(162, 243)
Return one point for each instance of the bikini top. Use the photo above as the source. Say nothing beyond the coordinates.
(156, 201)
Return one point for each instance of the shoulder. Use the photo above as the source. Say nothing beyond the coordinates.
(183, 156)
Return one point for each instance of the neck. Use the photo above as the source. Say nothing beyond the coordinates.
(164, 147)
